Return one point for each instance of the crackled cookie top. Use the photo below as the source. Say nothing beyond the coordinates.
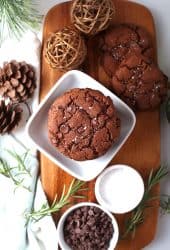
(83, 124)
(122, 40)
(140, 83)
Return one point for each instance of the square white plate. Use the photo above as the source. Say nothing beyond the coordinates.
(38, 131)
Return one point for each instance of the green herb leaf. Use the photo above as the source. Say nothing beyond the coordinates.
(21, 160)
(57, 204)
(165, 204)
(20, 170)
(137, 215)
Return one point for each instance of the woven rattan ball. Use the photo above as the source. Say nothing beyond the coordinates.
(92, 16)
(65, 49)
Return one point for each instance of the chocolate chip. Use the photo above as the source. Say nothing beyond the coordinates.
(94, 121)
(60, 135)
(88, 228)
(55, 141)
(71, 108)
(90, 100)
(81, 129)
(77, 230)
(64, 129)
(90, 212)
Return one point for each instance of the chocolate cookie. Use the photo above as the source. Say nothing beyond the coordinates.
(122, 40)
(83, 124)
(140, 83)
(109, 64)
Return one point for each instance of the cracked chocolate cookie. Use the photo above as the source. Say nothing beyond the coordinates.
(83, 124)
(122, 40)
(140, 83)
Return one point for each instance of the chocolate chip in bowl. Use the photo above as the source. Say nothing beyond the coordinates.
(87, 226)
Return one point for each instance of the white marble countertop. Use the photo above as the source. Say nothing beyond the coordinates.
(160, 11)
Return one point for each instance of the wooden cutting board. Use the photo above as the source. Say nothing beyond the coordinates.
(142, 150)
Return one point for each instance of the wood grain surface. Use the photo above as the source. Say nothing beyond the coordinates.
(142, 150)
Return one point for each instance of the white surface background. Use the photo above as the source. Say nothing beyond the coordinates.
(160, 10)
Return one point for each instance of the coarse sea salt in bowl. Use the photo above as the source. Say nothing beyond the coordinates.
(120, 188)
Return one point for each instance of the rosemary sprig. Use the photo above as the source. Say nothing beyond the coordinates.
(21, 161)
(5, 169)
(131, 224)
(137, 216)
(155, 178)
(165, 204)
(15, 172)
(16, 17)
(64, 200)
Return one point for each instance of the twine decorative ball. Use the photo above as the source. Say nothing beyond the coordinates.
(92, 16)
(65, 49)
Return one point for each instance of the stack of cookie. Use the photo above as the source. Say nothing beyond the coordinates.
(128, 59)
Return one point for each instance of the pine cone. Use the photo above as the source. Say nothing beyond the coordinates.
(17, 81)
(10, 116)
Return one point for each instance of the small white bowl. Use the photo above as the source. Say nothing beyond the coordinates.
(38, 131)
(119, 189)
(60, 227)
